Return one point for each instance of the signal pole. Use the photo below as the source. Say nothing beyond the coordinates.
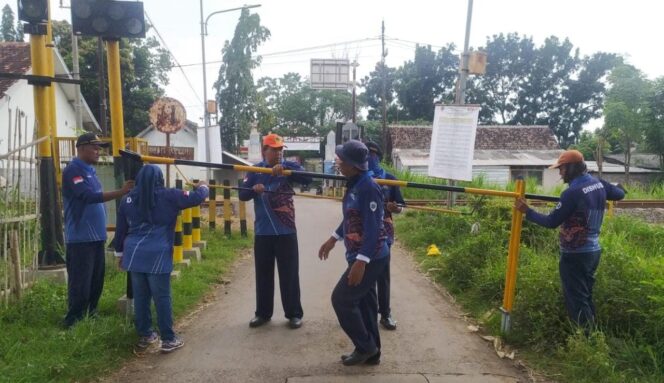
(383, 93)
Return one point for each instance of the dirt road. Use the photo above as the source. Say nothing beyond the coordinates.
(431, 343)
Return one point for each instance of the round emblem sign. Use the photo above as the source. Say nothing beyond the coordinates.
(167, 115)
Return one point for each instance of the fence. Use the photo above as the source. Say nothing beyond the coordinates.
(19, 208)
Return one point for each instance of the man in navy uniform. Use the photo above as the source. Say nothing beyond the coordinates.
(275, 237)
(367, 254)
(393, 198)
(579, 214)
(85, 228)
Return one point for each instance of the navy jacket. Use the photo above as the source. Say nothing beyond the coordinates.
(148, 247)
(85, 214)
(390, 194)
(362, 227)
(274, 212)
(580, 212)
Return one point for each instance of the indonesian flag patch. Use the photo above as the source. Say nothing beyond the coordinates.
(77, 180)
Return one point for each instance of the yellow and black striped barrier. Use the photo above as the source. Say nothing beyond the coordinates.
(178, 253)
(242, 206)
(227, 208)
(187, 241)
(196, 223)
(212, 205)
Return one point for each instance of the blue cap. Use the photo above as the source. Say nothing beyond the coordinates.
(355, 153)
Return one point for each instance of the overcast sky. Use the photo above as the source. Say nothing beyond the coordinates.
(631, 28)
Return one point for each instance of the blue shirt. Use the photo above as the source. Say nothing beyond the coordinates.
(85, 214)
(390, 194)
(274, 212)
(579, 213)
(362, 227)
(148, 247)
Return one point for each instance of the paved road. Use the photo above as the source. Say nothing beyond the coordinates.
(430, 345)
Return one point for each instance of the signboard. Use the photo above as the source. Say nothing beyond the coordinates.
(330, 73)
(453, 141)
(167, 115)
(177, 152)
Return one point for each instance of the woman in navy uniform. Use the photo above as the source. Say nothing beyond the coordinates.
(144, 235)
(367, 254)
(393, 197)
(275, 236)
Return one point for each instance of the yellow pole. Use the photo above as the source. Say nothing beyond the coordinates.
(242, 206)
(50, 70)
(610, 210)
(178, 253)
(41, 100)
(117, 116)
(512, 260)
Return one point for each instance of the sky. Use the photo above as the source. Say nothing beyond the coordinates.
(351, 29)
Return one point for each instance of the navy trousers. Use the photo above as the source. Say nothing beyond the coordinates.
(577, 274)
(85, 279)
(282, 249)
(156, 288)
(383, 287)
(357, 308)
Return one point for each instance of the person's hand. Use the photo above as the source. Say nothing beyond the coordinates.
(127, 186)
(326, 247)
(521, 205)
(120, 263)
(259, 188)
(392, 207)
(200, 183)
(278, 170)
(356, 273)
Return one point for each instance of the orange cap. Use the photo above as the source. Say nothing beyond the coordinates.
(568, 157)
(273, 140)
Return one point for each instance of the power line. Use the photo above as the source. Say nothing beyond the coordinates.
(173, 57)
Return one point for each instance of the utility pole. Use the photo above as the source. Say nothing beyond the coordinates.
(383, 87)
(354, 65)
(206, 115)
(460, 97)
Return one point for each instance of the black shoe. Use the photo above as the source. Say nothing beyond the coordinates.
(258, 321)
(373, 361)
(295, 323)
(388, 322)
(358, 357)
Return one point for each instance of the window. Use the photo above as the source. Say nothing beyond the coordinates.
(526, 172)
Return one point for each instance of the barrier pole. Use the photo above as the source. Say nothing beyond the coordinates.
(512, 261)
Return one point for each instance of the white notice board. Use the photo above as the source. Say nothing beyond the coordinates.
(453, 141)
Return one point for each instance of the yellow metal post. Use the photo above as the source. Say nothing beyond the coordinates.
(242, 206)
(178, 251)
(50, 70)
(512, 260)
(115, 99)
(610, 209)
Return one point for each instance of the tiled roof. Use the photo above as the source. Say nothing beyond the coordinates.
(488, 137)
(14, 58)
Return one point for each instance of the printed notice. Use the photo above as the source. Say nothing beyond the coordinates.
(453, 141)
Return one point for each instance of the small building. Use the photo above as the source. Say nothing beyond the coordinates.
(502, 153)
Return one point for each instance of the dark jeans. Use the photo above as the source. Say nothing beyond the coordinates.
(357, 309)
(577, 274)
(155, 287)
(85, 279)
(383, 288)
(282, 249)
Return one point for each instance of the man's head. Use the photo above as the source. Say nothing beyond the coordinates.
(88, 147)
(273, 146)
(375, 156)
(352, 157)
(570, 164)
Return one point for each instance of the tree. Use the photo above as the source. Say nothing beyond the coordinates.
(236, 92)
(144, 67)
(7, 31)
(290, 107)
(655, 125)
(373, 85)
(426, 80)
(626, 108)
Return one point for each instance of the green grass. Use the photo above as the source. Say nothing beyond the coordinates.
(629, 291)
(35, 348)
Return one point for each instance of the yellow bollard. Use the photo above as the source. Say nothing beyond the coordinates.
(227, 209)
(242, 206)
(610, 210)
(512, 260)
(212, 205)
(186, 226)
(196, 223)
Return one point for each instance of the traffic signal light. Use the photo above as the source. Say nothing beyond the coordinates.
(33, 11)
(108, 18)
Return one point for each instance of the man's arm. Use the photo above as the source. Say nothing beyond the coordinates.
(563, 210)
(248, 183)
(613, 192)
(115, 194)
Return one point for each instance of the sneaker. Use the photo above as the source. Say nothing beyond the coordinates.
(171, 345)
(146, 341)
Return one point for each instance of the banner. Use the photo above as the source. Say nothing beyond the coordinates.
(453, 141)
